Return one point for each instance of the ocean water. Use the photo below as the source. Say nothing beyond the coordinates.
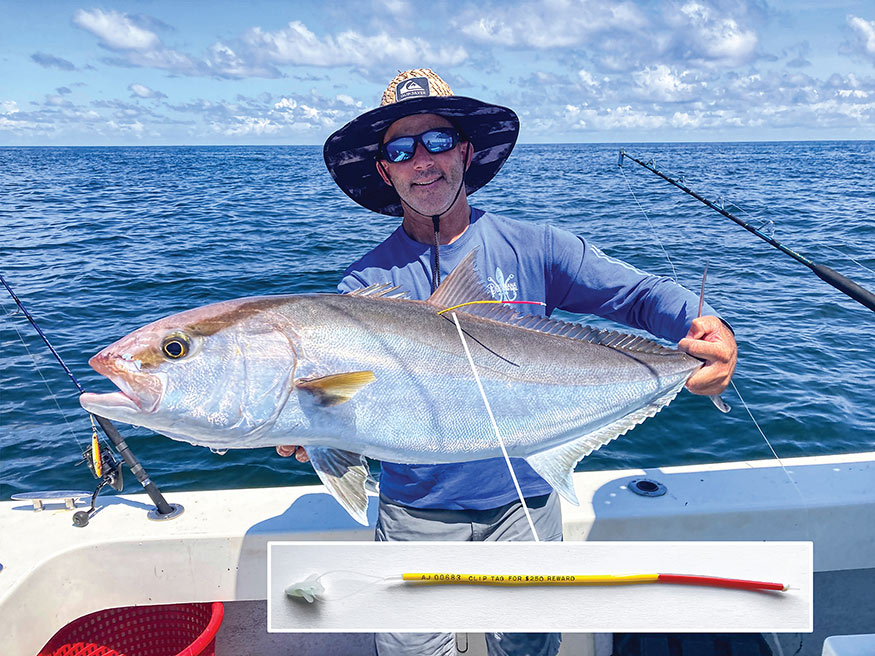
(100, 241)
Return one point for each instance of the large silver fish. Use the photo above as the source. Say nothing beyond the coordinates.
(372, 374)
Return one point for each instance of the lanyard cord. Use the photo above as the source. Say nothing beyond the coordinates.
(436, 262)
(495, 428)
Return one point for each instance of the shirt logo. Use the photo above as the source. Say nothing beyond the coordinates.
(412, 88)
(501, 288)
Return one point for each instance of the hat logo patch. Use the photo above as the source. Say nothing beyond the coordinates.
(413, 88)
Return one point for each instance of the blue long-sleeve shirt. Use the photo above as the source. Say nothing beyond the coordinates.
(527, 262)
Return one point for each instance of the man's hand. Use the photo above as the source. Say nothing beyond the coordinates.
(285, 450)
(708, 339)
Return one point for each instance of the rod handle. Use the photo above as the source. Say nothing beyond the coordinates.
(845, 285)
(137, 470)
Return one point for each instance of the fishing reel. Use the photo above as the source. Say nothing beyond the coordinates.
(103, 466)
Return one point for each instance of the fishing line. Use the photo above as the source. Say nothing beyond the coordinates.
(495, 428)
(674, 274)
(857, 262)
(780, 462)
(682, 185)
(46, 382)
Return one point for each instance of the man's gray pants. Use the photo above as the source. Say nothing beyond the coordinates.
(397, 523)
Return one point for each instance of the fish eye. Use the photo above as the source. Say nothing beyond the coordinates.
(175, 346)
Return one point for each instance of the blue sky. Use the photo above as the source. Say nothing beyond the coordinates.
(160, 72)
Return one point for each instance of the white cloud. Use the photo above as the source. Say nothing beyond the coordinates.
(770, 101)
(138, 46)
(864, 33)
(494, 31)
(222, 60)
(396, 7)
(348, 100)
(310, 112)
(286, 103)
(142, 91)
(715, 38)
(554, 24)
(257, 51)
(296, 44)
(612, 118)
(116, 30)
(266, 116)
(587, 78)
(660, 84)
(8, 107)
(685, 120)
(830, 109)
(622, 36)
(14, 125)
(247, 125)
(168, 60)
(133, 127)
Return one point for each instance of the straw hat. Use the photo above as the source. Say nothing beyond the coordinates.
(350, 153)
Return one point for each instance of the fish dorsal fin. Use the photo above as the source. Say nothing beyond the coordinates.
(463, 285)
(611, 338)
(383, 289)
(548, 326)
(556, 465)
(336, 388)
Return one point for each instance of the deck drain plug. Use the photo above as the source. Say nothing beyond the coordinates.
(647, 487)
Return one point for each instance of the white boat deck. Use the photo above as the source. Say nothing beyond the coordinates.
(54, 572)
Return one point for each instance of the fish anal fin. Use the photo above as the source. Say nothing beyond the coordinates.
(556, 465)
(346, 475)
(336, 388)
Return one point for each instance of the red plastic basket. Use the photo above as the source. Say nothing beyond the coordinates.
(172, 630)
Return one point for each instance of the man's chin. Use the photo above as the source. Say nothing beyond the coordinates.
(428, 201)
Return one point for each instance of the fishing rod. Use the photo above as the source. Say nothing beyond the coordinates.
(164, 510)
(828, 275)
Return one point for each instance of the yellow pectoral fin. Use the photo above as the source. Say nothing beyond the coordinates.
(336, 388)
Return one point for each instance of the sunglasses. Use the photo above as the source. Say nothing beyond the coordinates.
(436, 140)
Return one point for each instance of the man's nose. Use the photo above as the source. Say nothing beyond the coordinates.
(422, 159)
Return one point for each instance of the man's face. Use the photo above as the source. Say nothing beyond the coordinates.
(426, 182)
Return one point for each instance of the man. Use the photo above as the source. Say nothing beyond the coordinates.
(419, 156)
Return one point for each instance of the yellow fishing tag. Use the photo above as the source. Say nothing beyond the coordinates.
(527, 579)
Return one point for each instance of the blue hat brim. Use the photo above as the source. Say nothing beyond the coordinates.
(351, 152)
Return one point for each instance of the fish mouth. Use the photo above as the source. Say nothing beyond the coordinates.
(138, 392)
(97, 402)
